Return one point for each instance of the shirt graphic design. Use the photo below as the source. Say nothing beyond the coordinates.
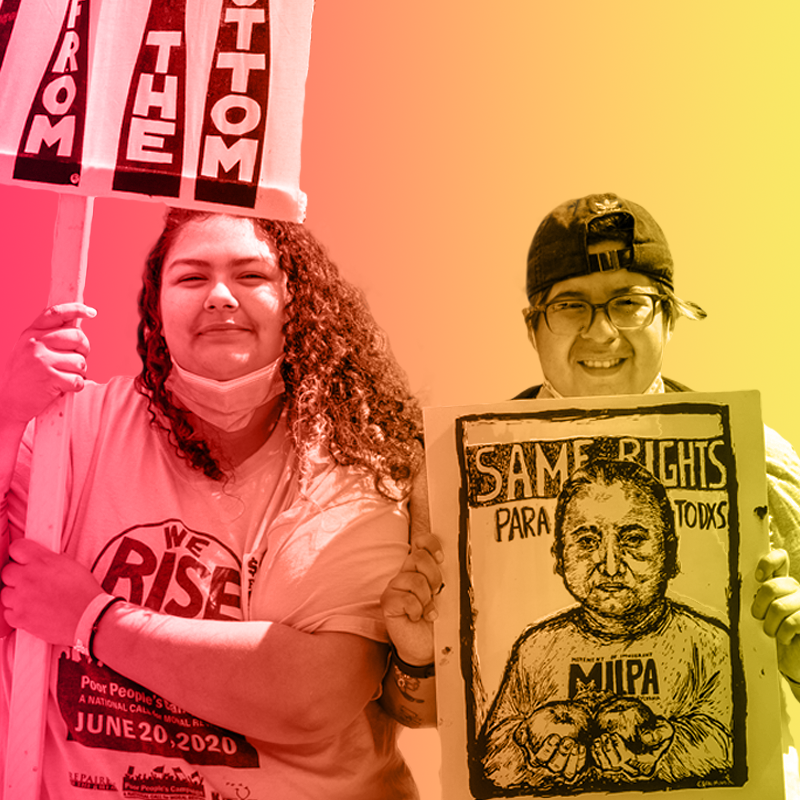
(171, 569)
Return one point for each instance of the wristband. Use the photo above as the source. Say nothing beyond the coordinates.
(89, 621)
(83, 630)
(97, 624)
(424, 671)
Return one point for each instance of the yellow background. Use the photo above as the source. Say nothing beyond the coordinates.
(437, 135)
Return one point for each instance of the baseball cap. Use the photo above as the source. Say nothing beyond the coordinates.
(559, 247)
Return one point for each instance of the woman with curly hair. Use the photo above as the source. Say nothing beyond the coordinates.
(254, 472)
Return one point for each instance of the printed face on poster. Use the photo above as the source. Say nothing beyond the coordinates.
(595, 632)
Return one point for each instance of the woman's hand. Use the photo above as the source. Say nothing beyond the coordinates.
(45, 593)
(48, 360)
(777, 604)
(408, 603)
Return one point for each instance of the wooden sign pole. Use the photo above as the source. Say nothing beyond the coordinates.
(46, 503)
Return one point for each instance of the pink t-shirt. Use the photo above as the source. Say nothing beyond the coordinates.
(260, 546)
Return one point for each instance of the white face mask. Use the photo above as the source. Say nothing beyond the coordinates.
(229, 405)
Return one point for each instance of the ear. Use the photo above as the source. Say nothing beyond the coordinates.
(528, 315)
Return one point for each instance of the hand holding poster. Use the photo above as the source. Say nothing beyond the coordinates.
(597, 636)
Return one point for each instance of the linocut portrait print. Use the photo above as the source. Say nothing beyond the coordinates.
(599, 635)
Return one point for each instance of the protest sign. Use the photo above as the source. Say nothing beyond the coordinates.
(595, 633)
(198, 103)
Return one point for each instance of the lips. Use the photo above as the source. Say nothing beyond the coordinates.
(601, 364)
(222, 327)
(612, 587)
(598, 363)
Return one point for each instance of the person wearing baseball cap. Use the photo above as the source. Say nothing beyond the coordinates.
(602, 300)
(602, 308)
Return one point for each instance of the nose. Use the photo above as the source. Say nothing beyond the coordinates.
(220, 296)
(601, 329)
(610, 558)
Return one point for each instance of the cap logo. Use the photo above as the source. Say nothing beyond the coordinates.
(605, 206)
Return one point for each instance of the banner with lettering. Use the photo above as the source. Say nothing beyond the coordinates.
(595, 632)
(196, 103)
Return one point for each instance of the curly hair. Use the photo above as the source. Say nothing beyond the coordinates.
(344, 390)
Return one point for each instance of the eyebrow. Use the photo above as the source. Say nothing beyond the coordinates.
(634, 526)
(590, 527)
(586, 527)
(201, 262)
(573, 295)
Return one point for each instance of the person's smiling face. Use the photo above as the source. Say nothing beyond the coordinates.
(614, 557)
(602, 360)
(222, 301)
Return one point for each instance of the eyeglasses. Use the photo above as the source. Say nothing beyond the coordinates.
(627, 312)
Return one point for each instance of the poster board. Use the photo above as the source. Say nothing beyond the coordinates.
(196, 103)
(672, 690)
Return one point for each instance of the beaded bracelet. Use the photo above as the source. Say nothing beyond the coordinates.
(412, 671)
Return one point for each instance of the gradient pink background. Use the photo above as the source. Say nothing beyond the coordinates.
(437, 135)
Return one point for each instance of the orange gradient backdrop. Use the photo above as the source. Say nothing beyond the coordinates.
(437, 135)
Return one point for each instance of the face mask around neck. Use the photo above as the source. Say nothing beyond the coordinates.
(228, 405)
